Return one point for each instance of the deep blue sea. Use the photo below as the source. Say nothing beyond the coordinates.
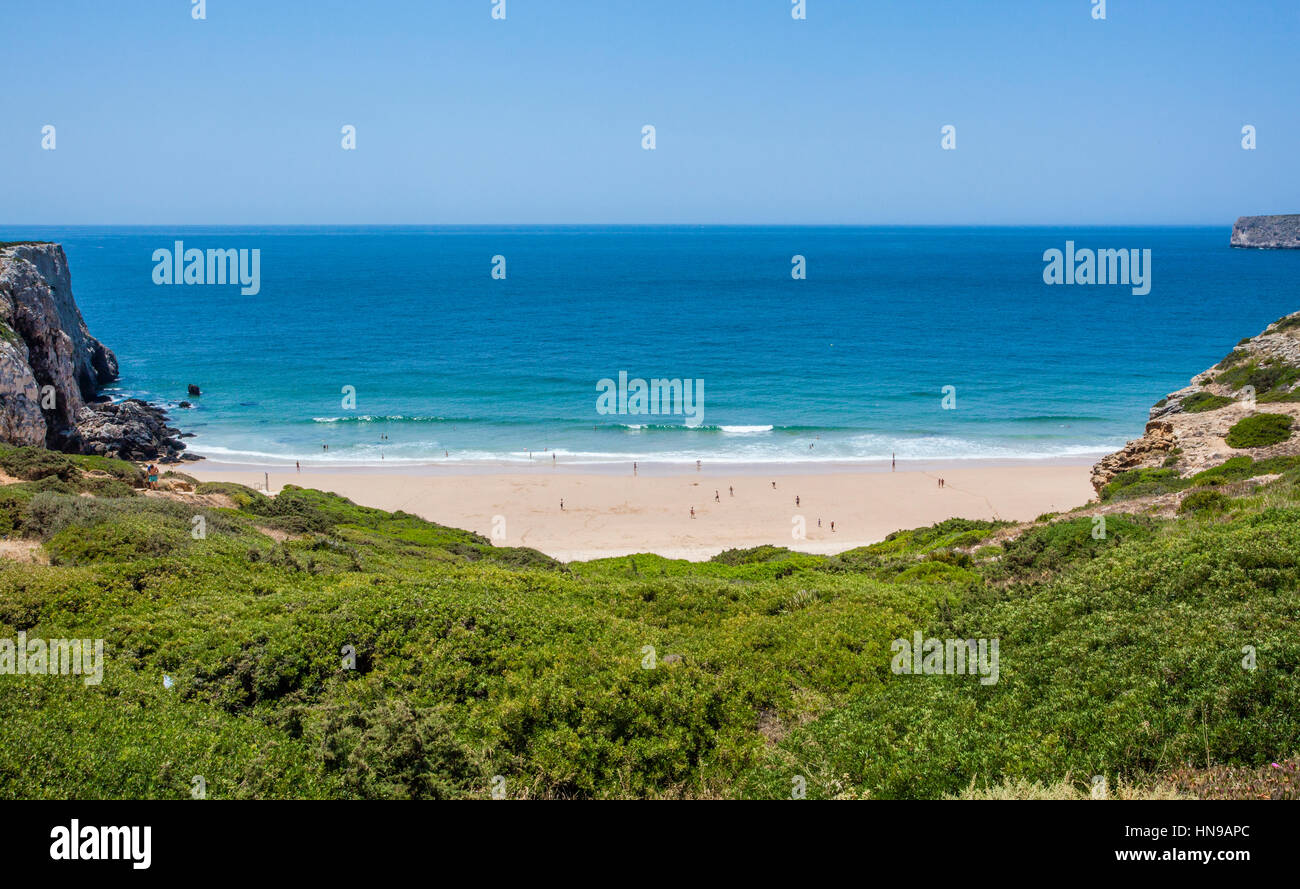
(451, 364)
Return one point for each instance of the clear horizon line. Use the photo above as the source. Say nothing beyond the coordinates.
(625, 224)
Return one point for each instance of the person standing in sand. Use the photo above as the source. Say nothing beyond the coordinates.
(796, 499)
(297, 465)
(561, 504)
(692, 512)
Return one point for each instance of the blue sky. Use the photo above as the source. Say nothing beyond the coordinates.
(760, 118)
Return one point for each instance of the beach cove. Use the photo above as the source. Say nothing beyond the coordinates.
(609, 511)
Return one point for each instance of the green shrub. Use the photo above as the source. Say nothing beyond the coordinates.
(125, 539)
(1286, 322)
(1200, 402)
(1242, 467)
(1120, 654)
(1203, 501)
(1266, 376)
(1260, 430)
(1142, 483)
(15, 499)
(1236, 356)
(751, 555)
(1125, 664)
(37, 463)
(1049, 548)
(242, 496)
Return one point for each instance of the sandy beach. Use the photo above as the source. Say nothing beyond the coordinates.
(608, 513)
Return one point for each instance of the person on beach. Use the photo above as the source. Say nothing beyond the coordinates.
(796, 499)
(731, 490)
(819, 521)
(697, 465)
(832, 527)
(297, 465)
(773, 486)
(716, 498)
(692, 512)
(634, 467)
(152, 475)
(561, 504)
(893, 462)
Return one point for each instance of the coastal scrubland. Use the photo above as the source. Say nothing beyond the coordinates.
(304, 646)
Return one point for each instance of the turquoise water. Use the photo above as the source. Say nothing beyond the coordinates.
(853, 361)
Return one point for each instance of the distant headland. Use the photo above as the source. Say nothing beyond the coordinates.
(1267, 232)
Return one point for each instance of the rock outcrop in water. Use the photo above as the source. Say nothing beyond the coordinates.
(51, 369)
(1267, 232)
(1186, 430)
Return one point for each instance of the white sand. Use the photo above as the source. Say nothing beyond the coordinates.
(608, 514)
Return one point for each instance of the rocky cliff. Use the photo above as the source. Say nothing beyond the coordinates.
(1267, 232)
(51, 368)
(1187, 430)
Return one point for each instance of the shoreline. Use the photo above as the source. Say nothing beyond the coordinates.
(661, 468)
(610, 512)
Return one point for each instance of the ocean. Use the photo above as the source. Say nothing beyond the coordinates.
(926, 343)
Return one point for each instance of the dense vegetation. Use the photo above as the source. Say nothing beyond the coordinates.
(1259, 430)
(1271, 378)
(1121, 652)
(1202, 401)
(1147, 482)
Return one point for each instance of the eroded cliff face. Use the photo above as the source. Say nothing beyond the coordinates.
(1187, 430)
(1267, 232)
(51, 368)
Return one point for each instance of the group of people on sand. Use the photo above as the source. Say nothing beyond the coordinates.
(731, 491)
